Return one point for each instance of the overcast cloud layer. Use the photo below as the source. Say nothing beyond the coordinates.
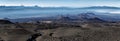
(60, 3)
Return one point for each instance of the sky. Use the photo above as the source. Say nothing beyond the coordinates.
(61, 3)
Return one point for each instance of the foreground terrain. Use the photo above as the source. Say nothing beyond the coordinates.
(58, 31)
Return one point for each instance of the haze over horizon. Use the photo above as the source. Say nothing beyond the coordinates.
(61, 3)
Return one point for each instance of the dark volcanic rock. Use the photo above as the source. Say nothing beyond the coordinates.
(5, 21)
(64, 18)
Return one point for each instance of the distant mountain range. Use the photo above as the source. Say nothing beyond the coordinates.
(92, 7)
(75, 13)
(100, 7)
(84, 17)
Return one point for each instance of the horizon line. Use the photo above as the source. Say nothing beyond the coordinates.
(57, 6)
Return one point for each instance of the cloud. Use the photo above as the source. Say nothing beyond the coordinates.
(68, 3)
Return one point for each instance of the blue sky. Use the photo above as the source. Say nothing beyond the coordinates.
(61, 3)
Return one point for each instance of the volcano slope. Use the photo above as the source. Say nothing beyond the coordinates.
(60, 31)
